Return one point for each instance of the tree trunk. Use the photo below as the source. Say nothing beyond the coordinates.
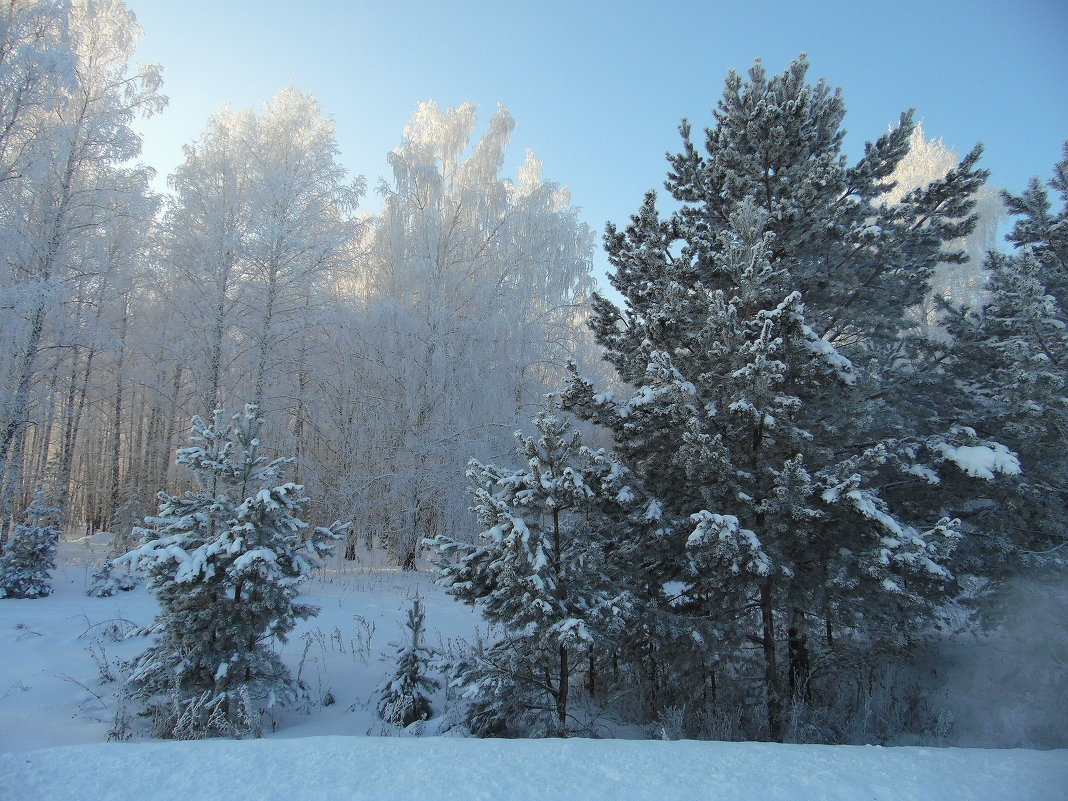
(15, 426)
(771, 670)
(561, 696)
(797, 650)
(116, 427)
(171, 428)
(79, 391)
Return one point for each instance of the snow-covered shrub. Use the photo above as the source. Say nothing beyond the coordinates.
(125, 520)
(122, 724)
(31, 553)
(104, 583)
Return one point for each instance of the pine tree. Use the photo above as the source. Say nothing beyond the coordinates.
(225, 562)
(1010, 357)
(761, 333)
(539, 572)
(31, 553)
(403, 699)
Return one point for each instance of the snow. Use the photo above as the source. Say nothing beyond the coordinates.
(981, 461)
(246, 559)
(653, 511)
(827, 353)
(926, 473)
(429, 769)
(713, 529)
(864, 503)
(55, 712)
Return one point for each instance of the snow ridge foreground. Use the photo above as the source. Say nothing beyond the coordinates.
(399, 769)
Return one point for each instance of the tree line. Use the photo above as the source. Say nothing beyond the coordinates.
(381, 349)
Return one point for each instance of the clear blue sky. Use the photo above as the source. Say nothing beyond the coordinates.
(597, 88)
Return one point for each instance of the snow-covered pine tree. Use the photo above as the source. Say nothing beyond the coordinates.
(102, 584)
(538, 572)
(225, 562)
(1011, 359)
(31, 553)
(760, 330)
(404, 698)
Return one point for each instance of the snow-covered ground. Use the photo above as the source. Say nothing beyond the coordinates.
(334, 768)
(57, 705)
(54, 651)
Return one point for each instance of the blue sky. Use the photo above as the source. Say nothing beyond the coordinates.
(598, 89)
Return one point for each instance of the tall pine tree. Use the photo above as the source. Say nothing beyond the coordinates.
(761, 331)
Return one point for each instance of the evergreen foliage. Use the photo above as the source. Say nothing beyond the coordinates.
(1010, 357)
(403, 699)
(539, 571)
(770, 424)
(225, 561)
(31, 553)
(104, 583)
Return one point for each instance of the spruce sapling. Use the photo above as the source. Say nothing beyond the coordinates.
(403, 698)
(31, 553)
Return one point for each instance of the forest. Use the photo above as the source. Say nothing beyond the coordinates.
(807, 453)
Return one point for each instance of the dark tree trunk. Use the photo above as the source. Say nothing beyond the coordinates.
(117, 419)
(797, 651)
(771, 669)
(561, 698)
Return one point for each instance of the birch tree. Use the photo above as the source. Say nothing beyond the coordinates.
(68, 139)
(260, 226)
(475, 285)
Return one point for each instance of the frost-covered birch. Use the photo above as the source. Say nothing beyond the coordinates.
(475, 286)
(70, 99)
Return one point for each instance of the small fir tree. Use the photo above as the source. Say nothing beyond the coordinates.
(540, 572)
(225, 562)
(404, 699)
(31, 553)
